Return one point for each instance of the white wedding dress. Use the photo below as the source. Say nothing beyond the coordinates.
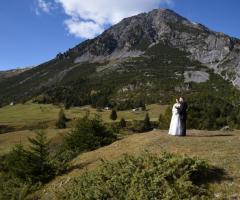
(175, 125)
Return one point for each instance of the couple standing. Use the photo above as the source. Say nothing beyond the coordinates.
(179, 118)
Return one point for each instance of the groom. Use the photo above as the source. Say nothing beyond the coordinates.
(183, 115)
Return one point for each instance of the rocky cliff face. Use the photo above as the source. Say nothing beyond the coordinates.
(133, 36)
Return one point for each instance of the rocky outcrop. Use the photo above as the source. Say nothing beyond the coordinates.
(196, 76)
(132, 36)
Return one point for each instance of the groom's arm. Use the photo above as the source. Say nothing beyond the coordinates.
(180, 109)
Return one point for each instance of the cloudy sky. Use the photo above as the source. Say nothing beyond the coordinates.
(34, 31)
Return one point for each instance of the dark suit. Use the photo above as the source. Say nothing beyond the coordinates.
(183, 117)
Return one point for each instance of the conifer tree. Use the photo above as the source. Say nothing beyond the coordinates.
(61, 123)
(39, 158)
(113, 115)
(146, 123)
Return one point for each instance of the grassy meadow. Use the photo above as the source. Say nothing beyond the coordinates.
(23, 119)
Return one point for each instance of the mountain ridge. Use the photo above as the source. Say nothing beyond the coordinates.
(141, 40)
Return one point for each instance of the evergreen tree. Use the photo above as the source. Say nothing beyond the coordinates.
(113, 115)
(122, 123)
(39, 164)
(88, 134)
(146, 123)
(16, 162)
(61, 123)
(33, 164)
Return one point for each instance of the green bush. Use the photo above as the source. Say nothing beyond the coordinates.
(145, 177)
(89, 134)
(122, 123)
(60, 159)
(141, 126)
(13, 188)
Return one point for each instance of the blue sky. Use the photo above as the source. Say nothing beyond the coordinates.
(34, 31)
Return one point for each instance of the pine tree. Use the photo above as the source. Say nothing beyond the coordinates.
(122, 123)
(33, 164)
(113, 115)
(146, 123)
(39, 158)
(16, 162)
(61, 123)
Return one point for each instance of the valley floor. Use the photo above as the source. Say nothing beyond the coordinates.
(220, 149)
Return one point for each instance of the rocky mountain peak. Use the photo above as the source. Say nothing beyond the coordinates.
(134, 35)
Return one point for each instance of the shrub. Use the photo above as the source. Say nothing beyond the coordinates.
(136, 126)
(122, 123)
(60, 160)
(61, 123)
(13, 188)
(113, 115)
(89, 134)
(145, 177)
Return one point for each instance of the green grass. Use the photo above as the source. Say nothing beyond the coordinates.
(24, 118)
(9, 140)
(30, 114)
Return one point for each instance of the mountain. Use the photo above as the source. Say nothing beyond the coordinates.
(150, 57)
(13, 72)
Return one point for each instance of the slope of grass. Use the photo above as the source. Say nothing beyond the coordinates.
(9, 140)
(220, 149)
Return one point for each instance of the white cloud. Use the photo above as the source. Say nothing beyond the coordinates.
(44, 6)
(83, 29)
(87, 18)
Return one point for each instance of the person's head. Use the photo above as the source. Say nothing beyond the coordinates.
(177, 101)
(181, 99)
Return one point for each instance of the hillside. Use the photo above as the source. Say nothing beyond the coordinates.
(10, 73)
(151, 57)
(218, 148)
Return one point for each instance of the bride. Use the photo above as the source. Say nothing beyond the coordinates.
(175, 125)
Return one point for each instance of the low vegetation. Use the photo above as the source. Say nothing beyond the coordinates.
(144, 177)
(23, 170)
(88, 134)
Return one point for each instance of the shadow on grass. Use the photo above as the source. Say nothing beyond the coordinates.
(212, 135)
(210, 175)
